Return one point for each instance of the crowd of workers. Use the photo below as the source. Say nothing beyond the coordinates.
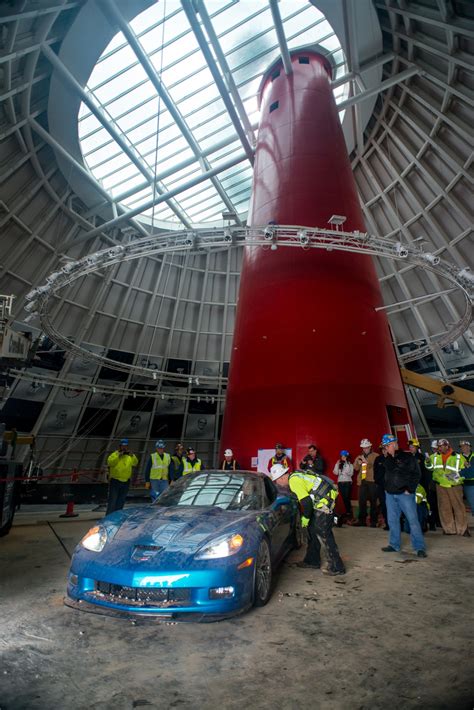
(410, 490)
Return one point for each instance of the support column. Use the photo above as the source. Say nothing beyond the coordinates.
(312, 360)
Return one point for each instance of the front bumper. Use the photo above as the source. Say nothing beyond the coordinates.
(174, 594)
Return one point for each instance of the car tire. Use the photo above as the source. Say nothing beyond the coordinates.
(5, 529)
(263, 574)
(297, 533)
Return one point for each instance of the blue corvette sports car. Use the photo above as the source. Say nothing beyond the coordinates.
(206, 548)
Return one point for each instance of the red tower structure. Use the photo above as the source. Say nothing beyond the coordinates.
(312, 360)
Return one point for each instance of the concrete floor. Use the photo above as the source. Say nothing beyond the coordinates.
(394, 630)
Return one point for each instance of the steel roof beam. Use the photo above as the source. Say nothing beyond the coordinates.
(85, 173)
(64, 72)
(396, 79)
(113, 12)
(358, 86)
(213, 68)
(163, 198)
(34, 14)
(229, 79)
(459, 58)
(384, 59)
(427, 16)
(284, 51)
(428, 297)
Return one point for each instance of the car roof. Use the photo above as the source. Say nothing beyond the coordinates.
(257, 474)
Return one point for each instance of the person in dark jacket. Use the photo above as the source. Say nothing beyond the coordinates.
(402, 475)
(177, 462)
(426, 482)
(379, 478)
(313, 462)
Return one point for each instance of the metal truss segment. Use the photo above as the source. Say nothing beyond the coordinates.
(268, 237)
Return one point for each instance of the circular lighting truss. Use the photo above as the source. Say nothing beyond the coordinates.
(268, 237)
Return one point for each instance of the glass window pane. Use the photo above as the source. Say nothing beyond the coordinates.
(130, 101)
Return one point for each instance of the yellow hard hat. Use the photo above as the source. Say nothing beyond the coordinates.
(414, 442)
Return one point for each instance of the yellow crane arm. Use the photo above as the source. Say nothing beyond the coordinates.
(444, 390)
(21, 439)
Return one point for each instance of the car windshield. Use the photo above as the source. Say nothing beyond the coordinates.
(226, 490)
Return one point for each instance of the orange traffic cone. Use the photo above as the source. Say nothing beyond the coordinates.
(69, 510)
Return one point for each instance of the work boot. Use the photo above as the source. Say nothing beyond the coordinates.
(333, 572)
(389, 548)
(421, 553)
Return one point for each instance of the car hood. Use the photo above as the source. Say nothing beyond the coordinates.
(183, 528)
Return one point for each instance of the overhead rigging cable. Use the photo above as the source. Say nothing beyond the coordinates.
(155, 173)
(155, 168)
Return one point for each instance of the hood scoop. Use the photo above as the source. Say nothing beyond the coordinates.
(142, 553)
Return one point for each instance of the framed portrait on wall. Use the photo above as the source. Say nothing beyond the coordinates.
(200, 426)
(133, 423)
(61, 419)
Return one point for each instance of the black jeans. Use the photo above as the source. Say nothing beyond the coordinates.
(383, 504)
(345, 491)
(433, 519)
(117, 495)
(320, 533)
(368, 492)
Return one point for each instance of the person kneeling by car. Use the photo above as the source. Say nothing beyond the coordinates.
(317, 497)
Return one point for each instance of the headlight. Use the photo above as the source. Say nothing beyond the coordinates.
(95, 539)
(221, 547)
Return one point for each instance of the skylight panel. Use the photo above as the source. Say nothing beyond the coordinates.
(129, 182)
(114, 88)
(126, 172)
(129, 100)
(135, 97)
(114, 64)
(95, 140)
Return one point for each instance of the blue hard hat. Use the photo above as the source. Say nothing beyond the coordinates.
(388, 439)
(160, 444)
(123, 442)
(344, 453)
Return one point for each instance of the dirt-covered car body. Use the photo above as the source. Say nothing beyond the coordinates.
(207, 546)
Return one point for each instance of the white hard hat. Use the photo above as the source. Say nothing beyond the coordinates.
(277, 470)
(228, 452)
(434, 444)
(365, 443)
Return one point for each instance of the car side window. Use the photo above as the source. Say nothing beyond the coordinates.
(270, 491)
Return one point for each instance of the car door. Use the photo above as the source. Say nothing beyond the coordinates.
(280, 515)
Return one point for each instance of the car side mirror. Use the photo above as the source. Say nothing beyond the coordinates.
(281, 500)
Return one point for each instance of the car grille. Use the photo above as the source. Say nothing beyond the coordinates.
(141, 596)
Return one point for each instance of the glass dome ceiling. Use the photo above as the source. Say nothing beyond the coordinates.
(170, 129)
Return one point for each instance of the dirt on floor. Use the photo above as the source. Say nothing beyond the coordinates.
(395, 630)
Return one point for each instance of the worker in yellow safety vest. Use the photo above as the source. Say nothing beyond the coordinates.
(447, 474)
(468, 472)
(317, 497)
(429, 458)
(121, 464)
(422, 509)
(191, 463)
(157, 470)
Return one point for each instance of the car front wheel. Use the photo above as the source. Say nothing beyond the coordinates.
(263, 575)
(297, 537)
